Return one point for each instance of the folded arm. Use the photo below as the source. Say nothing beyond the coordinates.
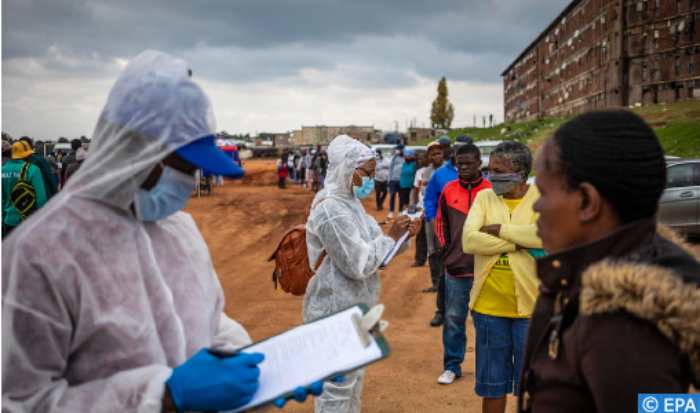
(474, 241)
(524, 235)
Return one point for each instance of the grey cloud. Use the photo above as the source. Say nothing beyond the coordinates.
(278, 38)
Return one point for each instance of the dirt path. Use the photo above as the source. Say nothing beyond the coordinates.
(243, 221)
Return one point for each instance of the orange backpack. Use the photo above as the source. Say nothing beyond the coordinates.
(292, 270)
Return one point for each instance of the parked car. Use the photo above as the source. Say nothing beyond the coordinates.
(387, 150)
(679, 206)
(486, 147)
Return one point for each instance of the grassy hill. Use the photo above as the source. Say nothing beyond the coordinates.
(677, 125)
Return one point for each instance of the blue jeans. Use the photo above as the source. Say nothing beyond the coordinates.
(394, 188)
(500, 347)
(454, 329)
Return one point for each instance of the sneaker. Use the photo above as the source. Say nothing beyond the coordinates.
(447, 377)
(437, 320)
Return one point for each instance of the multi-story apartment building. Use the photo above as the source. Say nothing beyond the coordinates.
(607, 53)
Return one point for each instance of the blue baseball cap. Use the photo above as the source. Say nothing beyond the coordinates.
(204, 154)
(464, 139)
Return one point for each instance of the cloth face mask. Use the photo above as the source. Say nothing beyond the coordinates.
(363, 191)
(170, 195)
(504, 183)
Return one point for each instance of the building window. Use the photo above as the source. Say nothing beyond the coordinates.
(656, 39)
(691, 68)
(644, 73)
(677, 66)
(604, 53)
(657, 8)
(691, 28)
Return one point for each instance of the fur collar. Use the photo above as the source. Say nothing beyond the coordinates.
(650, 292)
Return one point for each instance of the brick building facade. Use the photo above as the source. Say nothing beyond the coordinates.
(322, 135)
(607, 53)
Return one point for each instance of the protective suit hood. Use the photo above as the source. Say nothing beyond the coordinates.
(345, 154)
(153, 109)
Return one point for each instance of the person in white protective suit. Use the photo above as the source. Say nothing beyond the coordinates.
(354, 245)
(110, 300)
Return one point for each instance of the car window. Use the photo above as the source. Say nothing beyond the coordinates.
(486, 150)
(678, 176)
(696, 180)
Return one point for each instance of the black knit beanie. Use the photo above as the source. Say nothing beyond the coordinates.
(619, 154)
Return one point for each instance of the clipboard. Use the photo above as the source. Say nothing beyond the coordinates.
(402, 240)
(284, 372)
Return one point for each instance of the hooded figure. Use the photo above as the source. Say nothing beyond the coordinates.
(355, 247)
(107, 290)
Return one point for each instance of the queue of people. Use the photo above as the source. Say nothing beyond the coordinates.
(562, 277)
(580, 299)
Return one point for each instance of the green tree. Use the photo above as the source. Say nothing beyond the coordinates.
(442, 112)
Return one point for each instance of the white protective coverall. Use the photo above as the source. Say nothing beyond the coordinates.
(350, 272)
(98, 307)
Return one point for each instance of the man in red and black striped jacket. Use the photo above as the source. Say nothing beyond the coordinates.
(456, 199)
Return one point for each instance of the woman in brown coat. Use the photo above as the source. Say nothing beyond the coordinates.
(619, 306)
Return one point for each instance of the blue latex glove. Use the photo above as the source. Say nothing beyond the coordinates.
(301, 392)
(208, 382)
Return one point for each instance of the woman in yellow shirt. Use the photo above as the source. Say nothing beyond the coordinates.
(500, 231)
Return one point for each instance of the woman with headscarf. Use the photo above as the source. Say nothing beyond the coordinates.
(354, 246)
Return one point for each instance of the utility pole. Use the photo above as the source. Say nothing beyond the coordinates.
(474, 121)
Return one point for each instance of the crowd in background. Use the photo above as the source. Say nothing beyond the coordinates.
(307, 168)
(31, 178)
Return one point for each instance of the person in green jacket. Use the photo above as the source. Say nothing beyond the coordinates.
(47, 172)
(11, 170)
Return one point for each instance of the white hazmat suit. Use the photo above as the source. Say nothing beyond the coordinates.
(98, 307)
(355, 246)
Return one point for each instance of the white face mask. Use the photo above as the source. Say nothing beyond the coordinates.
(168, 196)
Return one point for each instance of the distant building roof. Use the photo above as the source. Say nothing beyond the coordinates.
(542, 34)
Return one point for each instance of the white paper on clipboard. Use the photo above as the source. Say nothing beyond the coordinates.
(399, 243)
(311, 352)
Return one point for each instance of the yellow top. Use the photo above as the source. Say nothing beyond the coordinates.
(518, 228)
(497, 296)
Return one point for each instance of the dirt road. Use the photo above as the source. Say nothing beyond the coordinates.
(243, 221)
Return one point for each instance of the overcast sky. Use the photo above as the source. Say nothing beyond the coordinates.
(268, 65)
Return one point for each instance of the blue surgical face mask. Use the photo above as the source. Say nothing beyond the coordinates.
(168, 196)
(363, 191)
(504, 183)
